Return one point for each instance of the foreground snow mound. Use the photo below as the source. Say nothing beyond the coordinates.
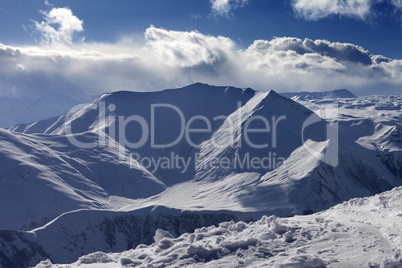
(82, 232)
(363, 232)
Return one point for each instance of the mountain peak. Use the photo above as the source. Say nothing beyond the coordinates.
(274, 95)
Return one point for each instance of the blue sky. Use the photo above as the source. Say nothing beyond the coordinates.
(155, 44)
(108, 21)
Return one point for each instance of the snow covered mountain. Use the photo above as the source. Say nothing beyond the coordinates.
(204, 103)
(43, 177)
(105, 177)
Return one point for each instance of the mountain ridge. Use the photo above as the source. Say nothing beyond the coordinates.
(331, 94)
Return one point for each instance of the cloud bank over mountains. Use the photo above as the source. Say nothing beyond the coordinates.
(167, 59)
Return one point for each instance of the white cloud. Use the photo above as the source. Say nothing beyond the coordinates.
(337, 51)
(187, 49)
(397, 3)
(276, 60)
(46, 2)
(171, 59)
(59, 26)
(317, 9)
(360, 9)
(22, 67)
(224, 7)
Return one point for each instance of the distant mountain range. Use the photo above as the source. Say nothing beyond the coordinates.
(304, 95)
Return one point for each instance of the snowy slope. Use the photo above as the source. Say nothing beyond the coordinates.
(44, 176)
(363, 232)
(44, 126)
(374, 122)
(303, 184)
